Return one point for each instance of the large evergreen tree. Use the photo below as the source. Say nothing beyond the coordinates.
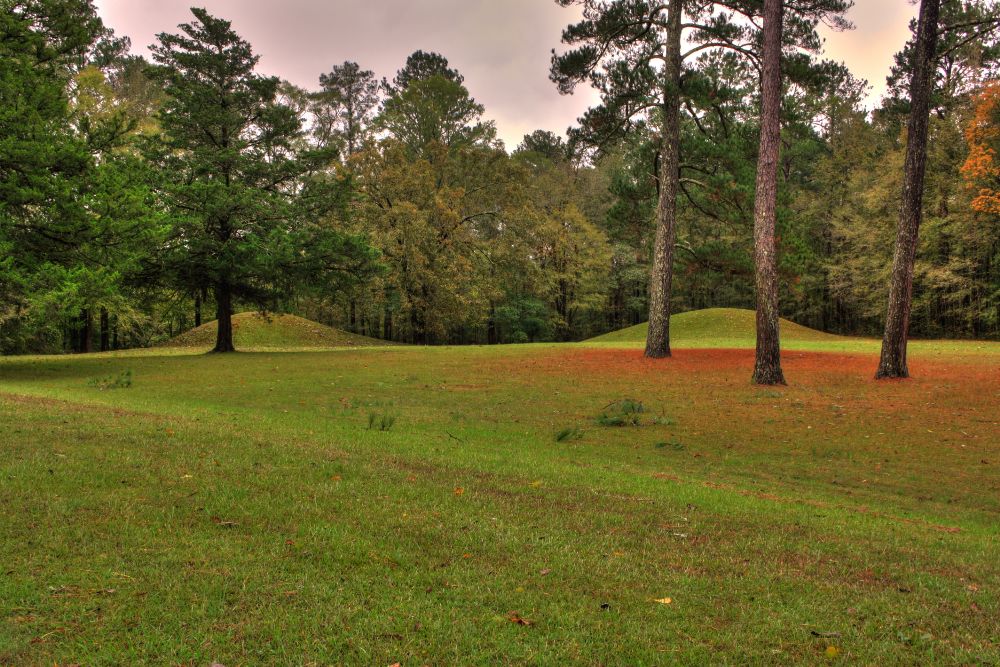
(246, 219)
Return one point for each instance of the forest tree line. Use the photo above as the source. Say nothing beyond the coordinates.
(140, 198)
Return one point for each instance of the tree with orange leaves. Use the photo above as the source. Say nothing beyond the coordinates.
(981, 170)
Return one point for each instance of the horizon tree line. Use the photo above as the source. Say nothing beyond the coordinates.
(392, 209)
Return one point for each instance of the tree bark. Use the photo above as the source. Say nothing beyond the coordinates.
(197, 309)
(387, 324)
(892, 363)
(86, 332)
(767, 364)
(105, 330)
(661, 274)
(224, 318)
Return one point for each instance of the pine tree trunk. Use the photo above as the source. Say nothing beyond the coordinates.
(661, 274)
(105, 330)
(897, 322)
(197, 309)
(353, 317)
(224, 317)
(767, 366)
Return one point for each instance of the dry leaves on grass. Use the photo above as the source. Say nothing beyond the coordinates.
(517, 619)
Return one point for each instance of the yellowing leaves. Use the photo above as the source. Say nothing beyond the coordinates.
(663, 600)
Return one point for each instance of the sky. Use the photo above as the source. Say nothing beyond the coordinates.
(502, 47)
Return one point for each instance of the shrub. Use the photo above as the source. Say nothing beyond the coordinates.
(625, 412)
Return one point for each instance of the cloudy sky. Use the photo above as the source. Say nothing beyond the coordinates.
(502, 47)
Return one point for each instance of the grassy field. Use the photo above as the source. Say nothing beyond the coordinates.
(465, 506)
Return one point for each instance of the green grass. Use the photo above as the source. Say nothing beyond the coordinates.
(735, 328)
(715, 327)
(240, 509)
(272, 331)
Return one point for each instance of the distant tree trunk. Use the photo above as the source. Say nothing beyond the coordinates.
(662, 272)
(105, 330)
(387, 324)
(353, 317)
(224, 316)
(197, 309)
(491, 326)
(86, 332)
(767, 367)
(897, 322)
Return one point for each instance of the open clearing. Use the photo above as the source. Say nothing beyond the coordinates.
(240, 509)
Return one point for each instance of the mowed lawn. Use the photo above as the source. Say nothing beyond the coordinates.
(239, 509)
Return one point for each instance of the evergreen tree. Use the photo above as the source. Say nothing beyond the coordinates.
(345, 106)
(422, 65)
(246, 219)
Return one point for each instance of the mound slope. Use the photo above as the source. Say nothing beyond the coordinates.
(254, 331)
(715, 327)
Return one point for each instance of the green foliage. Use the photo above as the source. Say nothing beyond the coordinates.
(247, 217)
(344, 108)
(435, 111)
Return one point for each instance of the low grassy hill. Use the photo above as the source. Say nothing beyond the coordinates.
(256, 331)
(716, 327)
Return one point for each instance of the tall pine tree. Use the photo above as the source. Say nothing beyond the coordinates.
(247, 221)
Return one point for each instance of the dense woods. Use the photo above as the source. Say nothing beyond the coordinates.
(140, 197)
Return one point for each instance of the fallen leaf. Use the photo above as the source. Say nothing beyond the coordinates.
(832, 651)
(664, 600)
(545, 572)
(515, 617)
(459, 491)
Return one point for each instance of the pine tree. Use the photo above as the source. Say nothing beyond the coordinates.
(345, 106)
(892, 363)
(246, 219)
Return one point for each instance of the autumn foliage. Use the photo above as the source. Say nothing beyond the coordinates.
(981, 170)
